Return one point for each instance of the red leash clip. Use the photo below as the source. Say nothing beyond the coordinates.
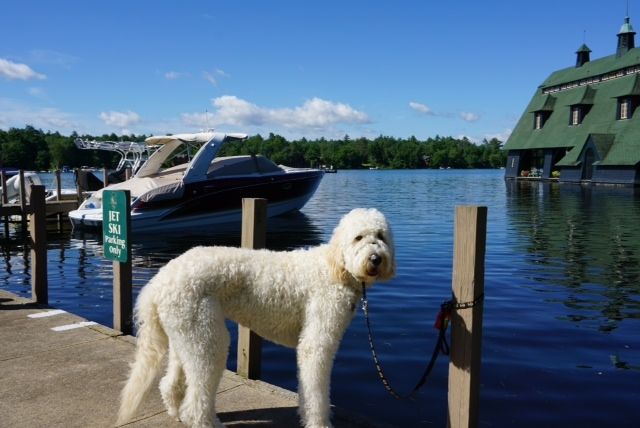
(444, 316)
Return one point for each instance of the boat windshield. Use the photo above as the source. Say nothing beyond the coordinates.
(182, 154)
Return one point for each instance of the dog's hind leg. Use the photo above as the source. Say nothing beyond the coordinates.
(172, 385)
(202, 346)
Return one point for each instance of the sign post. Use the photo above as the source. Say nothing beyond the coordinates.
(116, 226)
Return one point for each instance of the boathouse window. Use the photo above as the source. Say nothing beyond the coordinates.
(578, 113)
(576, 118)
(626, 106)
(539, 118)
(624, 109)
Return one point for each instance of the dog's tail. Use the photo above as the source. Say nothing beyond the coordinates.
(152, 344)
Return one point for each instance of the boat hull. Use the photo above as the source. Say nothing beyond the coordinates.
(213, 202)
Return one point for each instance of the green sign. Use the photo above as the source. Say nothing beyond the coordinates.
(115, 221)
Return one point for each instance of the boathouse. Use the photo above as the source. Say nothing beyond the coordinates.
(581, 124)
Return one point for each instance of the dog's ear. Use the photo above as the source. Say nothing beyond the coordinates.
(392, 267)
(336, 261)
(392, 256)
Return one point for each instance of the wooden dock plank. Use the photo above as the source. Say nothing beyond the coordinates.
(73, 378)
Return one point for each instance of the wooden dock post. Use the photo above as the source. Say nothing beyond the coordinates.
(3, 184)
(116, 235)
(466, 323)
(254, 233)
(38, 233)
(23, 200)
(58, 185)
(58, 181)
(76, 173)
(123, 297)
(4, 200)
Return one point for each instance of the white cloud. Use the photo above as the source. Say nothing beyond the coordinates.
(173, 75)
(36, 92)
(59, 59)
(222, 73)
(421, 108)
(120, 120)
(213, 77)
(313, 114)
(502, 136)
(469, 117)
(55, 119)
(210, 78)
(14, 71)
(18, 115)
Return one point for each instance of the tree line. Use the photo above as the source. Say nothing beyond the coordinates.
(32, 149)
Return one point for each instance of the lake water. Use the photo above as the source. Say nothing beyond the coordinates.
(561, 338)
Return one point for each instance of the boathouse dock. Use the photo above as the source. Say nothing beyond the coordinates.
(60, 370)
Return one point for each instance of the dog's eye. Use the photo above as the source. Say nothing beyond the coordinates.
(358, 238)
(381, 236)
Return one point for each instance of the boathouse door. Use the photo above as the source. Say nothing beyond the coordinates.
(589, 159)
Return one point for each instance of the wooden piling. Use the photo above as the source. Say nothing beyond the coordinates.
(254, 232)
(76, 173)
(3, 184)
(58, 185)
(38, 235)
(123, 297)
(4, 200)
(466, 323)
(23, 199)
(105, 177)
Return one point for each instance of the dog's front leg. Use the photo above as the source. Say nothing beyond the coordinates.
(317, 346)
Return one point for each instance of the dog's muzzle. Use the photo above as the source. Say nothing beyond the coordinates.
(372, 264)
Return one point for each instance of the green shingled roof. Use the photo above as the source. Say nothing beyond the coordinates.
(603, 143)
(624, 149)
(544, 103)
(583, 48)
(631, 87)
(593, 68)
(583, 95)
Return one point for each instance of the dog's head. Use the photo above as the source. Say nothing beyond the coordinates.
(362, 247)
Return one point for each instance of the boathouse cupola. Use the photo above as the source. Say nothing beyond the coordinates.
(626, 40)
(582, 55)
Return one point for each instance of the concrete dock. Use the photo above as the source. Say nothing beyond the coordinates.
(60, 370)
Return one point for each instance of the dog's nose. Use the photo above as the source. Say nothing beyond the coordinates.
(375, 259)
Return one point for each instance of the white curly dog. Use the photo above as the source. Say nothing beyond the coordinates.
(303, 299)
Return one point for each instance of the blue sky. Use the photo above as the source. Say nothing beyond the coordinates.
(296, 68)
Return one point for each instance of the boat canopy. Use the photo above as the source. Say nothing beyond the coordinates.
(197, 169)
(199, 137)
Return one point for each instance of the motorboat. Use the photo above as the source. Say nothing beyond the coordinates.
(32, 179)
(185, 185)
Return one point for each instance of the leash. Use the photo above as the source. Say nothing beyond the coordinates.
(441, 324)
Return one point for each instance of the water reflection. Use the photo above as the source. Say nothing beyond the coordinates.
(585, 239)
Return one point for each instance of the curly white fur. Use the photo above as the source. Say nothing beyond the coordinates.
(303, 299)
